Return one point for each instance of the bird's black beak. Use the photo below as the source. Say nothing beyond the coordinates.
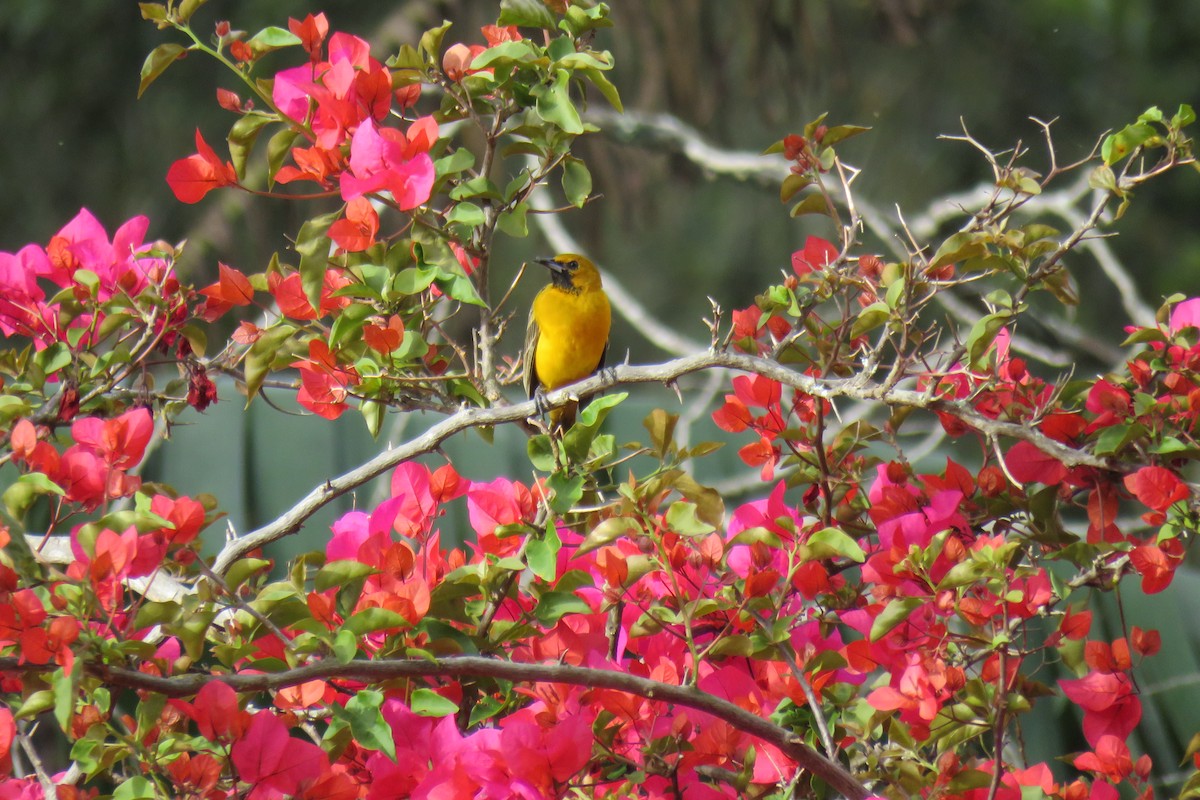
(559, 274)
(551, 264)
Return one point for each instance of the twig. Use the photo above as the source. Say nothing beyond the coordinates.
(823, 388)
(833, 773)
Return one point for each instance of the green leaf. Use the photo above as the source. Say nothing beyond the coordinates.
(458, 286)
(892, 615)
(562, 52)
(958, 247)
(370, 729)
(65, 685)
(579, 19)
(870, 318)
(553, 606)
(374, 619)
(814, 203)
(55, 357)
(541, 454)
(135, 788)
(414, 280)
(345, 646)
(521, 50)
(271, 38)
(348, 323)
(605, 86)
(525, 14)
(38, 702)
(475, 187)
(278, 147)
(792, 185)
(514, 222)
(467, 214)
(607, 532)
(431, 42)
(429, 703)
(151, 614)
(21, 493)
(739, 645)
(1151, 114)
(554, 104)
(154, 12)
(576, 181)
(1183, 117)
(660, 424)
(830, 542)
(1120, 144)
(682, 519)
(312, 243)
(460, 160)
(566, 491)
(187, 8)
(192, 630)
(241, 140)
(340, 573)
(598, 409)
(261, 355)
(157, 62)
(839, 133)
(756, 535)
(541, 553)
(983, 333)
(243, 569)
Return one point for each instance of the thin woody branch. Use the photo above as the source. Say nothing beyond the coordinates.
(667, 372)
(833, 773)
(663, 131)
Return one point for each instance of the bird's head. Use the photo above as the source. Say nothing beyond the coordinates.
(572, 272)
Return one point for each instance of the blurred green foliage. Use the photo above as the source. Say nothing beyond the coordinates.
(742, 73)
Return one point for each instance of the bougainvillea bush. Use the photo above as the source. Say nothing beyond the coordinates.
(871, 623)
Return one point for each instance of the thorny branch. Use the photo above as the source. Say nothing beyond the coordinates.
(856, 388)
(666, 132)
(836, 775)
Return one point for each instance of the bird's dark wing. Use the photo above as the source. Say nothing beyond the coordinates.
(532, 332)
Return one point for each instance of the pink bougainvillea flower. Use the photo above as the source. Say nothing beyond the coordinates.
(1028, 464)
(384, 338)
(193, 177)
(816, 255)
(231, 289)
(318, 164)
(1185, 315)
(121, 441)
(918, 691)
(311, 31)
(21, 306)
(293, 302)
(1156, 563)
(384, 159)
(495, 504)
(1109, 702)
(324, 384)
(356, 231)
(905, 516)
(276, 764)
(1157, 488)
(337, 94)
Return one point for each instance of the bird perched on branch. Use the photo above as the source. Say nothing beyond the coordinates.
(567, 336)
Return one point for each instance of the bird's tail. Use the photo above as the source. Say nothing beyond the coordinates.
(561, 419)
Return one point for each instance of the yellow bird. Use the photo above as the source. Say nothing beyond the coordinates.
(567, 336)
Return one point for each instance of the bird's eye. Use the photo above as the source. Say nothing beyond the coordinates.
(572, 265)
